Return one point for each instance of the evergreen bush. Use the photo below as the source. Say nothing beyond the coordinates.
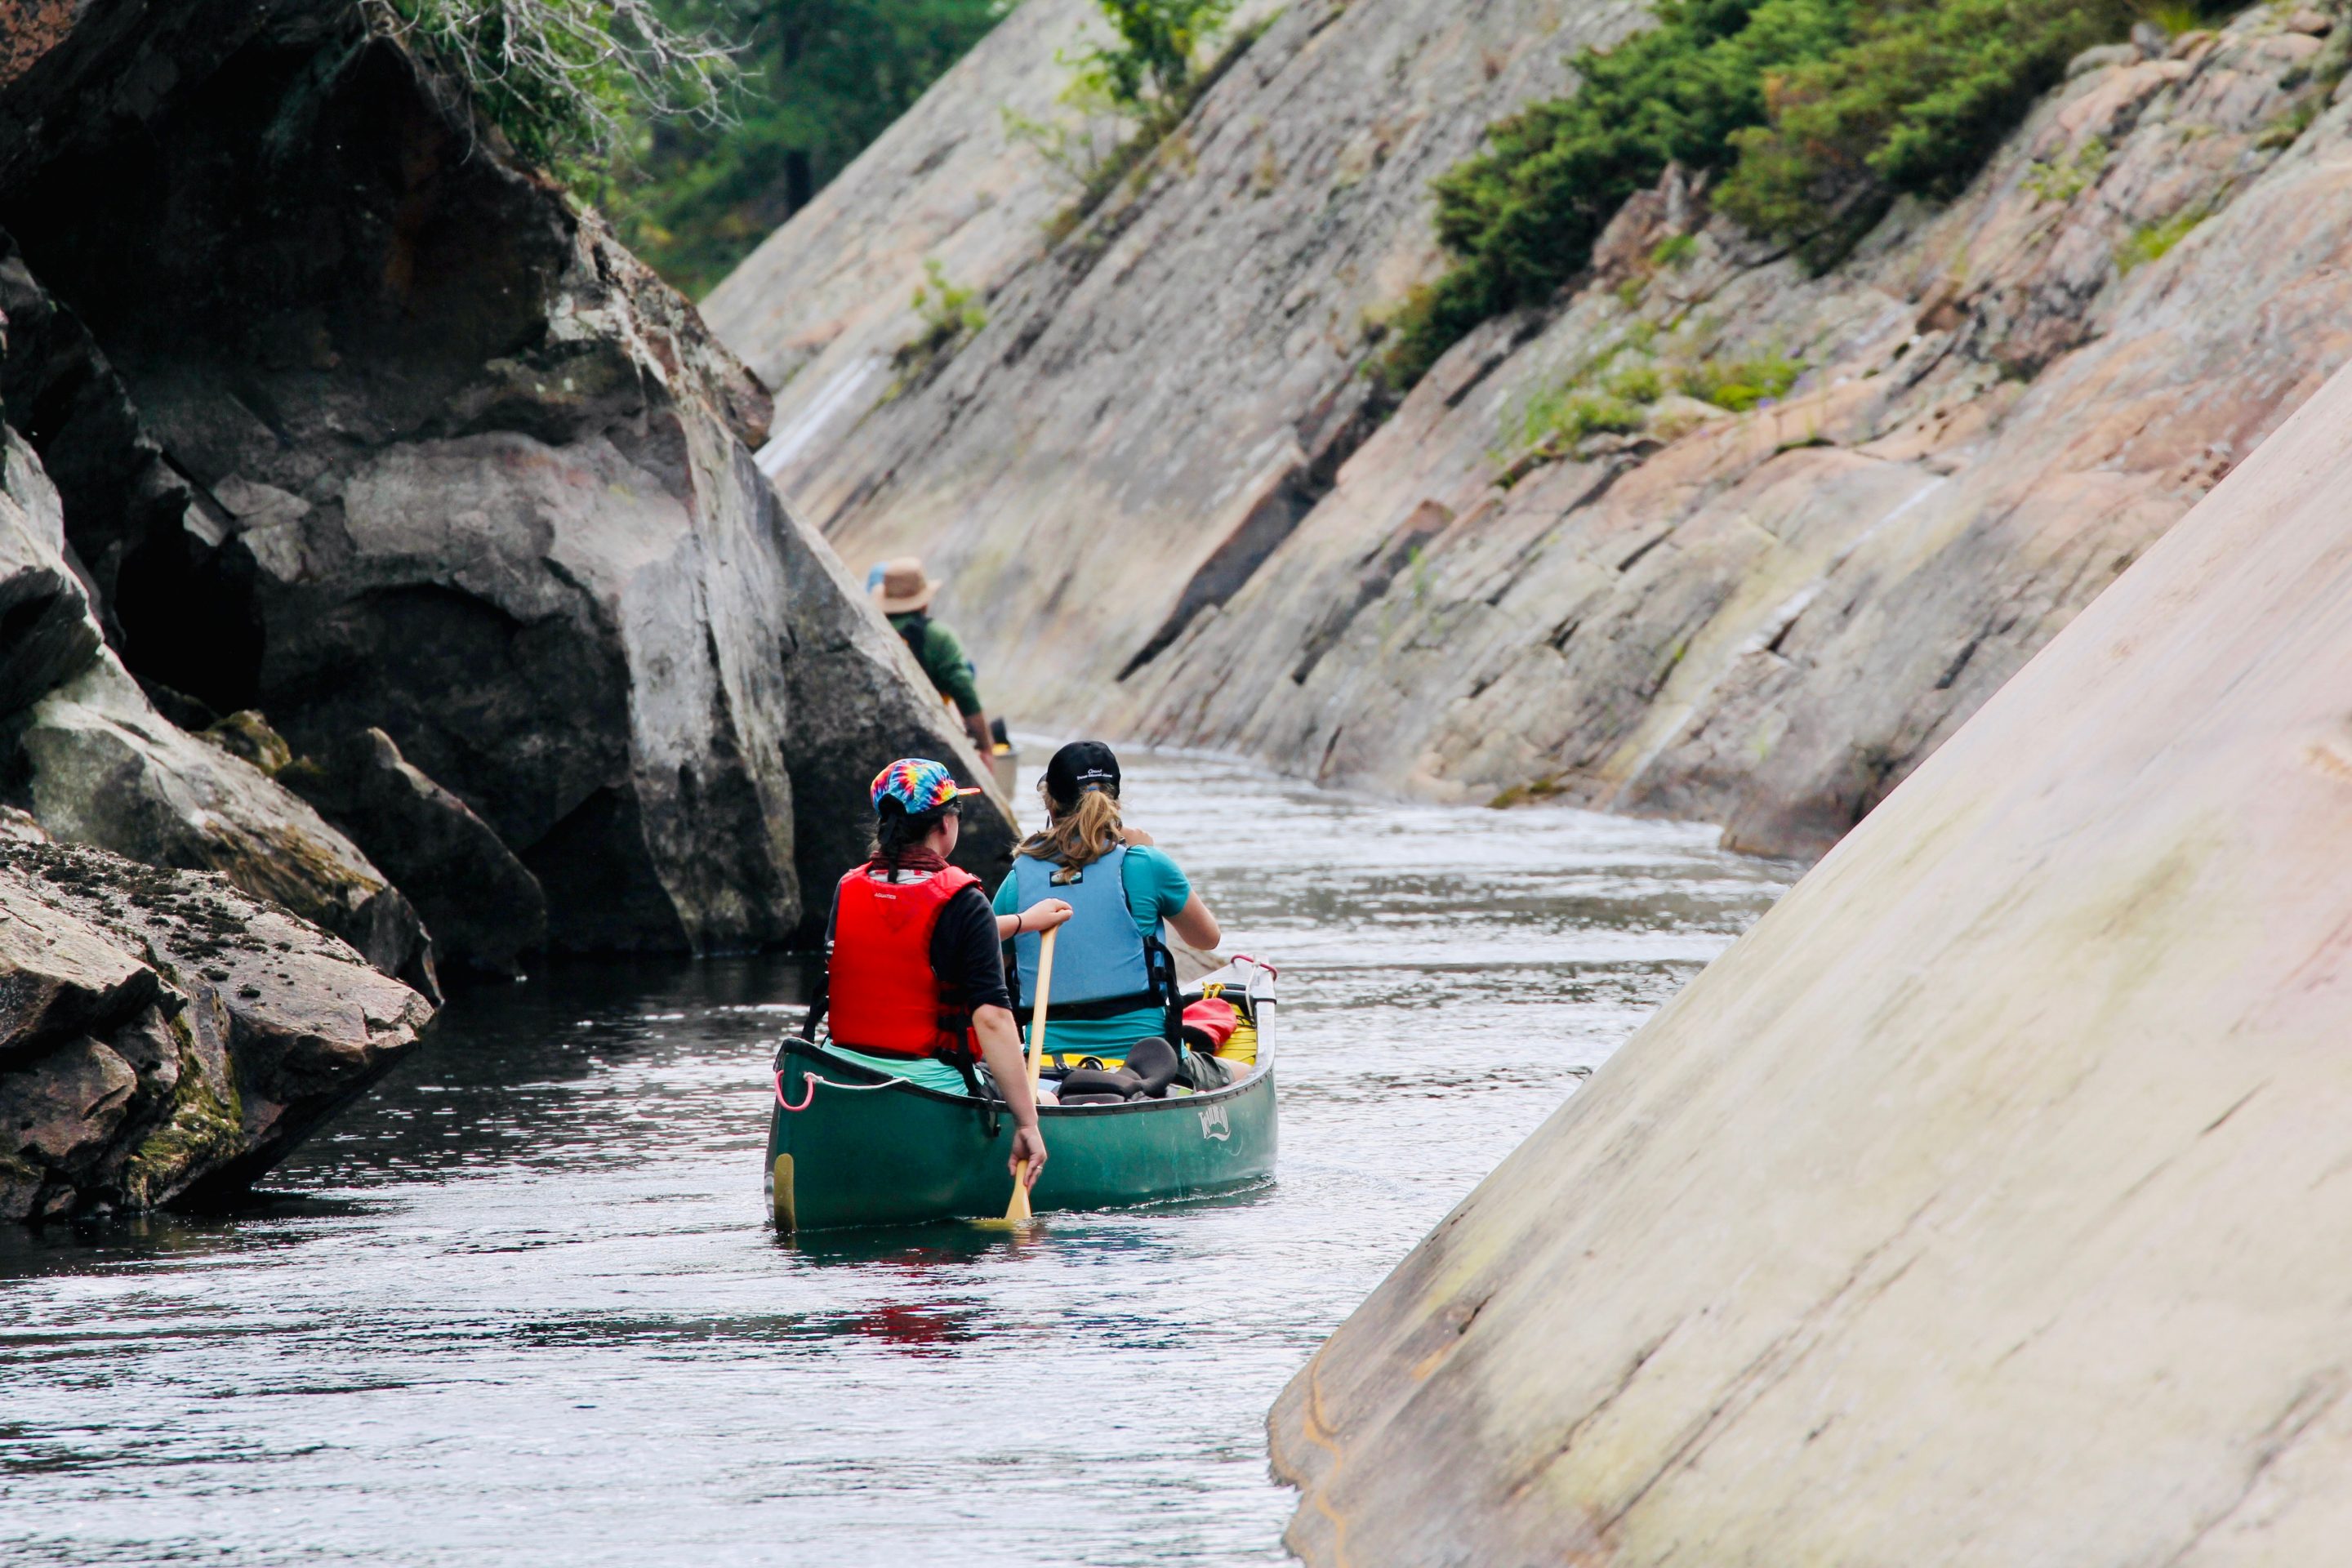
(1814, 114)
(822, 78)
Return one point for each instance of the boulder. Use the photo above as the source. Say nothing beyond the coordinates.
(1984, 1204)
(102, 768)
(60, 978)
(483, 906)
(167, 1038)
(137, 530)
(449, 464)
(46, 632)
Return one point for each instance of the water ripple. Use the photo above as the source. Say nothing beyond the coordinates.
(520, 1306)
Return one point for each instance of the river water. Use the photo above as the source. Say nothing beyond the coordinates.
(521, 1305)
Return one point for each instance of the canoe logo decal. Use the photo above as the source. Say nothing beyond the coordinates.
(1212, 1123)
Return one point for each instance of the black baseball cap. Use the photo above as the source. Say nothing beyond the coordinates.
(1079, 766)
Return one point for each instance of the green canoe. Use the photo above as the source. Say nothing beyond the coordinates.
(863, 1148)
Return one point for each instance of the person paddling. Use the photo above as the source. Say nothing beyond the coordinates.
(914, 968)
(1114, 981)
(903, 592)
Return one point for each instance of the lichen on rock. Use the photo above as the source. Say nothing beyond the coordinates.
(169, 1037)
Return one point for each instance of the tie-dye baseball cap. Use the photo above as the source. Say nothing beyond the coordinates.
(917, 785)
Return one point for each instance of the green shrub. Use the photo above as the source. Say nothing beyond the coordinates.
(1521, 217)
(948, 312)
(1817, 114)
(1563, 415)
(1637, 383)
(564, 79)
(1913, 103)
(2064, 178)
(1146, 84)
(1157, 51)
(2175, 16)
(949, 316)
(1675, 250)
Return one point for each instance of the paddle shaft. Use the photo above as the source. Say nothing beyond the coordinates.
(1019, 1209)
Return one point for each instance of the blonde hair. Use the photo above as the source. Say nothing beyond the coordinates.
(1079, 834)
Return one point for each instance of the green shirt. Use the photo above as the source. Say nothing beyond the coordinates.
(941, 655)
(1157, 889)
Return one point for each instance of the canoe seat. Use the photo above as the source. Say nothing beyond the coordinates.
(1151, 1067)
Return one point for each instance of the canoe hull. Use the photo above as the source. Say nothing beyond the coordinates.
(860, 1155)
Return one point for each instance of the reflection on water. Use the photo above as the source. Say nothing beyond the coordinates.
(521, 1305)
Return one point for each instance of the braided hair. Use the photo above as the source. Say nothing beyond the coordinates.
(896, 831)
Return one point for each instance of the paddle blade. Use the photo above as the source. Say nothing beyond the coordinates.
(1018, 1209)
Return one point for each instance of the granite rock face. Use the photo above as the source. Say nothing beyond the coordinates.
(483, 906)
(102, 769)
(1768, 619)
(1980, 1205)
(164, 1037)
(358, 426)
(1168, 508)
(95, 763)
(1158, 398)
(46, 632)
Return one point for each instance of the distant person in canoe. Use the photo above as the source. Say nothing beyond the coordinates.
(914, 979)
(903, 592)
(1115, 994)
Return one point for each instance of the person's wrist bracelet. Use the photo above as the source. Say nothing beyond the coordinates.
(1016, 923)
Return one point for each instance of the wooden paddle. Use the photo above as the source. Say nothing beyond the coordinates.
(1019, 1209)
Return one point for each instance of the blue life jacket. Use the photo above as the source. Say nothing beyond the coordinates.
(1102, 964)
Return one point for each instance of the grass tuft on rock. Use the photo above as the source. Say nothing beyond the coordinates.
(952, 317)
(2153, 242)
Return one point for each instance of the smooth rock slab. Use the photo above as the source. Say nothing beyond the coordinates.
(1985, 1203)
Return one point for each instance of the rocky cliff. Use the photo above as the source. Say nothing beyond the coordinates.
(1172, 507)
(1157, 399)
(1979, 1206)
(379, 535)
(358, 424)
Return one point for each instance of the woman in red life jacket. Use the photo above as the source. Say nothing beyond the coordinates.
(914, 968)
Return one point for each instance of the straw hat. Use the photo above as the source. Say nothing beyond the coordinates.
(903, 586)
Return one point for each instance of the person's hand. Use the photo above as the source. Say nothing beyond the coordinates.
(1136, 838)
(1028, 1144)
(1045, 914)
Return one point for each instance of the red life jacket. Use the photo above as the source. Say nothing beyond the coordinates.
(879, 987)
